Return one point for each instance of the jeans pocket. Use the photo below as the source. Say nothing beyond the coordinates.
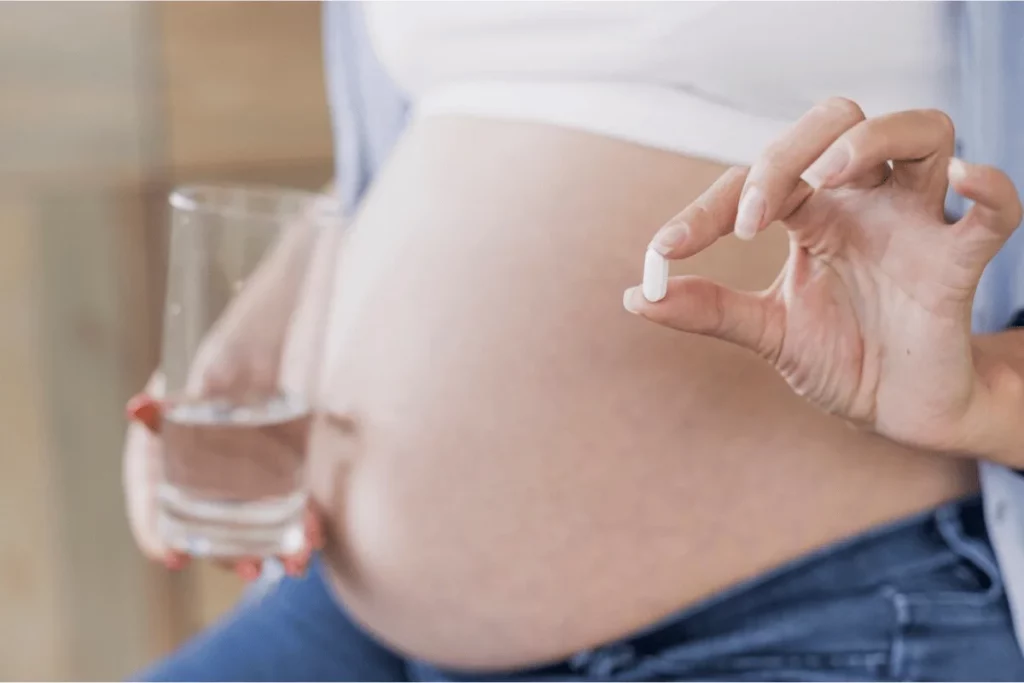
(953, 619)
(957, 583)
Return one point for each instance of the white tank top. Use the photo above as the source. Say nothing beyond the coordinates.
(712, 79)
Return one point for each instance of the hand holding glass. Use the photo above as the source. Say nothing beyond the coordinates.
(236, 421)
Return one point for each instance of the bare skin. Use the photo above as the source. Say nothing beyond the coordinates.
(869, 318)
(514, 468)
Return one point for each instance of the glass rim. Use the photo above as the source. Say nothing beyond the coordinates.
(213, 199)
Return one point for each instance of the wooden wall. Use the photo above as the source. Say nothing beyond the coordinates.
(104, 107)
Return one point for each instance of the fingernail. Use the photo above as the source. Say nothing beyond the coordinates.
(957, 170)
(295, 568)
(249, 571)
(828, 166)
(669, 237)
(749, 214)
(145, 410)
(629, 300)
(175, 561)
(296, 565)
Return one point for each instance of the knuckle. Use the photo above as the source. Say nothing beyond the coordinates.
(1007, 194)
(777, 165)
(1016, 208)
(698, 216)
(870, 140)
(943, 123)
(732, 180)
(774, 155)
(215, 378)
(735, 173)
(1016, 213)
(843, 107)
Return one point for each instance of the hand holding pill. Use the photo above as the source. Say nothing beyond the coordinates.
(872, 309)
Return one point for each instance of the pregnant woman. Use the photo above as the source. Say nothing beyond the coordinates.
(519, 479)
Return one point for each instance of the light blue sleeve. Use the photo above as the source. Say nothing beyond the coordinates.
(368, 110)
(991, 131)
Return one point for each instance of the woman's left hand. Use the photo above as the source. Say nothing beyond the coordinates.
(870, 317)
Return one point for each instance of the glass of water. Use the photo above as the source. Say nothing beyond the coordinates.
(249, 276)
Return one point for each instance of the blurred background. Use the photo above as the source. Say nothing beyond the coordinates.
(103, 107)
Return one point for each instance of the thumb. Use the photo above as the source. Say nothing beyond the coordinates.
(698, 305)
(997, 207)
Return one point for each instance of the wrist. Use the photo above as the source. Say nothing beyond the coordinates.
(997, 422)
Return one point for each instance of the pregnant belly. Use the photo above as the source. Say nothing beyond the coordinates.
(513, 467)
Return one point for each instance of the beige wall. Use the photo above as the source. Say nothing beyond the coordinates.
(104, 106)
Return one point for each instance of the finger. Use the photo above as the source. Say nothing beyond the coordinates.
(142, 469)
(698, 305)
(711, 216)
(296, 565)
(315, 536)
(141, 472)
(917, 142)
(249, 568)
(776, 174)
(707, 218)
(997, 205)
(176, 560)
(145, 410)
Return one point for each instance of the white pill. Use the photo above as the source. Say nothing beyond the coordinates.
(655, 276)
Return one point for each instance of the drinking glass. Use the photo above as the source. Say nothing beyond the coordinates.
(238, 389)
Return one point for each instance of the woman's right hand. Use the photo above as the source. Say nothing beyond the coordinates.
(869, 318)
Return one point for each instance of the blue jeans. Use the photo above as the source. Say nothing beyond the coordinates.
(920, 599)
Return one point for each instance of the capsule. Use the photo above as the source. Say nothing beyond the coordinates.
(655, 283)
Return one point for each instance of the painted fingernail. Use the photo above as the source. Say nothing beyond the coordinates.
(655, 283)
(957, 170)
(629, 299)
(669, 237)
(750, 214)
(145, 410)
(828, 166)
(248, 570)
(295, 567)
(176, 561)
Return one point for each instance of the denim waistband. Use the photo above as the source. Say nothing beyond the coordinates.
(868, 560)
(865, 560)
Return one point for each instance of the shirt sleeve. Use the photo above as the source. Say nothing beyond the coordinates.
(1017, 321)
(368, 110)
